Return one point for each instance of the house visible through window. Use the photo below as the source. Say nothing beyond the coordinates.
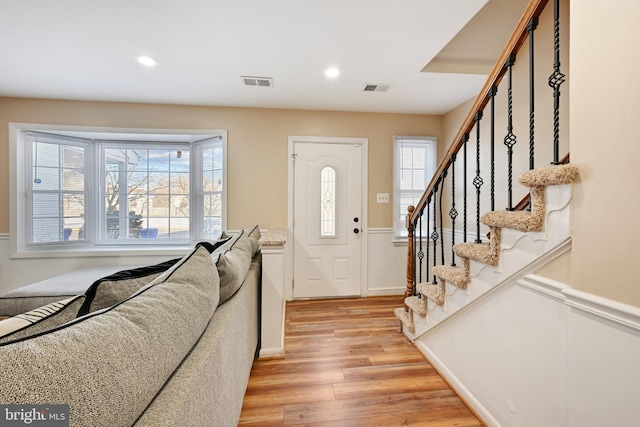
(105, 189)
(414, 165)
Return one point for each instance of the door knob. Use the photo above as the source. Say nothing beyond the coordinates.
(356, 230)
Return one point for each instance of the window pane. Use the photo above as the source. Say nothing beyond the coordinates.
(151, 177)
(57, 191)
(328, 202)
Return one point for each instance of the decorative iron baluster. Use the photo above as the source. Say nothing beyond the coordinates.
(453, 213)
(555, 81)
(434, 235)
(510, 140)
(444, 175)
(428, 245)
(465, 138)
(533, 24)
(477, 181)
(420, 251)
(492, 95)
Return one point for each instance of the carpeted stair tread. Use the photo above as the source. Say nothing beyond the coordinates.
(514, 220)
(520, 220)
(405, 317)
(549, 175)
(417, 304)
(456, 275)
(434, 292)
(488, 253)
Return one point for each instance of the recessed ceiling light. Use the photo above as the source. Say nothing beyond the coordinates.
(332, 72)
(147, 61)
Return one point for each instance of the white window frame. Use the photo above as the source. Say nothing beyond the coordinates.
(431, 145)
(19, 174)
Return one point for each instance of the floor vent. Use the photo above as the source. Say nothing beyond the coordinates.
(376, 87)
(257, 81)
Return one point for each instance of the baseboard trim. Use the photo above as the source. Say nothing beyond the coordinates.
(463, 392)
(379, 292)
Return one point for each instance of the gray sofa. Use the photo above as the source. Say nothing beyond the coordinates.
(170, 354)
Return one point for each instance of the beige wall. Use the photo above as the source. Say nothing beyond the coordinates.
(605, 109)
(257, 146)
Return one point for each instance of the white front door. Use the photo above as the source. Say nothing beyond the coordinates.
(327, 220)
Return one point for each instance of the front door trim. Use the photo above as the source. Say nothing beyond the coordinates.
(364, 143)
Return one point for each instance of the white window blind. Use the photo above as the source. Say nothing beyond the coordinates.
(414, 165)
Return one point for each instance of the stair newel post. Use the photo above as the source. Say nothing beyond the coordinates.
(444, 175)
(411, 272)
(533, 24)
(492, 96)
(453, 213)
(434, 234)
(465, 138)
(477, 181)
(510, 139)
(555, 81)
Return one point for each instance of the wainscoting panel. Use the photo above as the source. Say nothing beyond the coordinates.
(386, 263)
(538, 353)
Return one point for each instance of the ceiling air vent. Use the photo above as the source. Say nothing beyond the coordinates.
(376, 87)
(257, 81)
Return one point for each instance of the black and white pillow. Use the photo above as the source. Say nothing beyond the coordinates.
(112, 289)
(40, 319)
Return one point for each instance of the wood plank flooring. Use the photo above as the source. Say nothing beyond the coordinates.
(346, 365)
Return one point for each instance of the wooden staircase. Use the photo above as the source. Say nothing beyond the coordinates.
(519, 224)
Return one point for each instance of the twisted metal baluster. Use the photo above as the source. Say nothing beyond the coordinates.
(465, 138)
(444, 175)
(533, 24)
(428, 227)
(434, 235)
(492, 94)
(478, 181)
(510, 140)
(555, 81)
(453, 213)
(420, 253)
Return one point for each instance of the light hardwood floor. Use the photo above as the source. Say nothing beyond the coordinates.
(346, 365)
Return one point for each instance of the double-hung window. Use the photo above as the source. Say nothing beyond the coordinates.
(414, 165)
(104, 190)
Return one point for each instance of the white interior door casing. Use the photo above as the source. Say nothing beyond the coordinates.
(328, 261)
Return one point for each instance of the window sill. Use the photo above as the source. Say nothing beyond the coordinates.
(114, 251)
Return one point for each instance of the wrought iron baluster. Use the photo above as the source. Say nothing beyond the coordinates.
(492, 94)
(453, 213)
(510, 140)
(477, 181)
(420, 254)
(465, 138)
(434, 235)
(555, 81)
(533, 24)
(444, 175)
(428, 228)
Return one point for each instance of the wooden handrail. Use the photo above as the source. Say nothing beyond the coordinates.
(517, 39)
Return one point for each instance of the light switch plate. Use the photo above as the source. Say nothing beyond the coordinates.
(383, 197)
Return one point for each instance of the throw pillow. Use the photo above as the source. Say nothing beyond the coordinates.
(41, 319)
(110, 290)
(233, 265)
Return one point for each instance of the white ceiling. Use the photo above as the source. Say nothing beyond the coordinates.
(86, 50)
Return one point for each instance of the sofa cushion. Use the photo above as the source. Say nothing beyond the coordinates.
(254, 237)
(40, 319)
(233, 265)
(116, 287)
(109, 364)
(64, 286)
